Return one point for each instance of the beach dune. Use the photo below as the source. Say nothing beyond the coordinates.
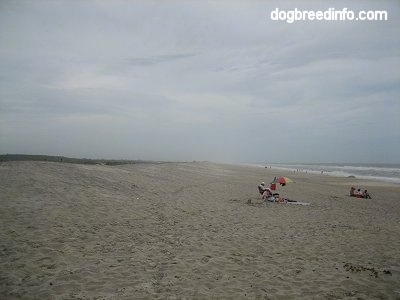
(192, 231)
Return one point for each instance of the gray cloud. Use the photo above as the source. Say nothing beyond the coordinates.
(198, 81)
(148, 61)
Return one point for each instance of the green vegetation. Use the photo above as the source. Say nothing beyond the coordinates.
(63, 159)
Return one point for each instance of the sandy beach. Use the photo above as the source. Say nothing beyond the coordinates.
(188, 231)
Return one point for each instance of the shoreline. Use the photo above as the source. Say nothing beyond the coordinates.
(392, 180)
(283, 167)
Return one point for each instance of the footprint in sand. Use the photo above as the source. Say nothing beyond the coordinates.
(206, 259)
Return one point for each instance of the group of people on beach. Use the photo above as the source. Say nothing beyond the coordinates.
(267, 194)
(357, 193)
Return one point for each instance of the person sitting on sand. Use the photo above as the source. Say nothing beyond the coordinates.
(261, 188)
(352, 190)
(366, 195)
(358, 194)
(264, 191)
(273, 198)
(267, 194)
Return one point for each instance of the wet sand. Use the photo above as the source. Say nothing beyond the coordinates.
(188, 231)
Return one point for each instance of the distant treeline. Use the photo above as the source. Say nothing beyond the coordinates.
(88, 161)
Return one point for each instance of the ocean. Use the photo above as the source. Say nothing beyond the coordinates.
(381, 172)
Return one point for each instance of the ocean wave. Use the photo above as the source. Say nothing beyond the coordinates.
(383, 172)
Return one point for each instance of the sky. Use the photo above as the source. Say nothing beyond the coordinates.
(199, 80)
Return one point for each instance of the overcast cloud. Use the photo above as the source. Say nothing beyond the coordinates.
(199, 80)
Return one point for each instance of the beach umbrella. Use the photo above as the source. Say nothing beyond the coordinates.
(282, 180)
